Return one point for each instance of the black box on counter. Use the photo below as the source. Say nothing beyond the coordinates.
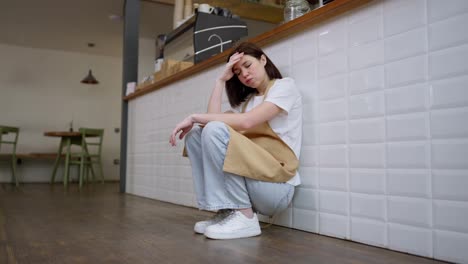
(215, 34)
(202, 37)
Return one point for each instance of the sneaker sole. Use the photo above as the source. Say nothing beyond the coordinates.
(242, 234)
(199, 231)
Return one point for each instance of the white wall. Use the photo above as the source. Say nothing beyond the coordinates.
(41, 91)
(384, 157)
(146, 54)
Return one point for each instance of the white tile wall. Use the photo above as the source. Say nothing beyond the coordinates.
(368, 231)
(332, 88)
(449, 93)
(384, 159)
(413, 126)
(450, 154)
(369, 130)
(332, 110)
(367, 156)
(448, 32)
(448, 62)
(410, 183)
(438, 10)
(370, 181)
(331, 37)
(333, 156)
(334, 63)
(366, 80)
(307, 220)
(410, 239)
(303, 198)
(450, 184)
(366, 55)
(303, 52)
(332, 133)
(333, 179)
(368, 206)
(405, 45)
(410, 211)
(449, 123)
(450, 246)
(407, 71)
(333, 225)
(402, 15)
(451, 215)
(408, 155)
(366, 105)
(365, 30)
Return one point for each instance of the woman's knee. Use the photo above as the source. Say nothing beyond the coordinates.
(215, 130)
(194, 135)
(284, 202)
(270, 198)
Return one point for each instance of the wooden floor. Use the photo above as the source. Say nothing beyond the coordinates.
(40, 223)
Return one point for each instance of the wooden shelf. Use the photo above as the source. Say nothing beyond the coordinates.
(242, 8)
(254, 11)
(295, 26)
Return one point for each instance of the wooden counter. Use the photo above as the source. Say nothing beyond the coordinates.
(287, 29)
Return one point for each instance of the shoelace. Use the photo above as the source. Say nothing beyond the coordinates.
(221, 214)
(228, 217)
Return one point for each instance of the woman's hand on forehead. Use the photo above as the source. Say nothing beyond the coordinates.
(236, 56)
(228, 70)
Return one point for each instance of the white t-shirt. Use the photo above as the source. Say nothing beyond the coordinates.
(288, 124)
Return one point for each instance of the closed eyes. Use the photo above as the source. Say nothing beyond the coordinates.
(238, 72)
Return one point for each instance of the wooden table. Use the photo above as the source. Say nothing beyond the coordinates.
(66, 140)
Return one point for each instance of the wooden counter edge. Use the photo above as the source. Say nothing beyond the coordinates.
(302, 23)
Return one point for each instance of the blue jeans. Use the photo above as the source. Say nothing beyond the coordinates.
(216, 189)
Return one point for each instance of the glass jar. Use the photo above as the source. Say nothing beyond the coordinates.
(294, 9)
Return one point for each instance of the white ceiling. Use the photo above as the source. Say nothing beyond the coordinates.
(70, 24)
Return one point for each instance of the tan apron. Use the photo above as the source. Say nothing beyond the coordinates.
(259, 153)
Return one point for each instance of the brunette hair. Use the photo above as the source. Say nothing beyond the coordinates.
(236, 91)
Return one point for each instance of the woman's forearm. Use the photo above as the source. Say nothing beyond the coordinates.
(261, 113)
(236, 121)
(214, 105)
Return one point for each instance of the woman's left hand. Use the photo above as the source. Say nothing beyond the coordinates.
(185, 126)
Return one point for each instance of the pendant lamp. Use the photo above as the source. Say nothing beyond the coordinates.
(89, 79)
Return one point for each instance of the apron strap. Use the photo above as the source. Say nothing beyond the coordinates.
(251, 95)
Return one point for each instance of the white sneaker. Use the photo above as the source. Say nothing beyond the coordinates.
(202, 225)
(236, 225)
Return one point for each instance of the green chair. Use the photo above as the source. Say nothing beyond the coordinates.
(90, 154)
(11, 140)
